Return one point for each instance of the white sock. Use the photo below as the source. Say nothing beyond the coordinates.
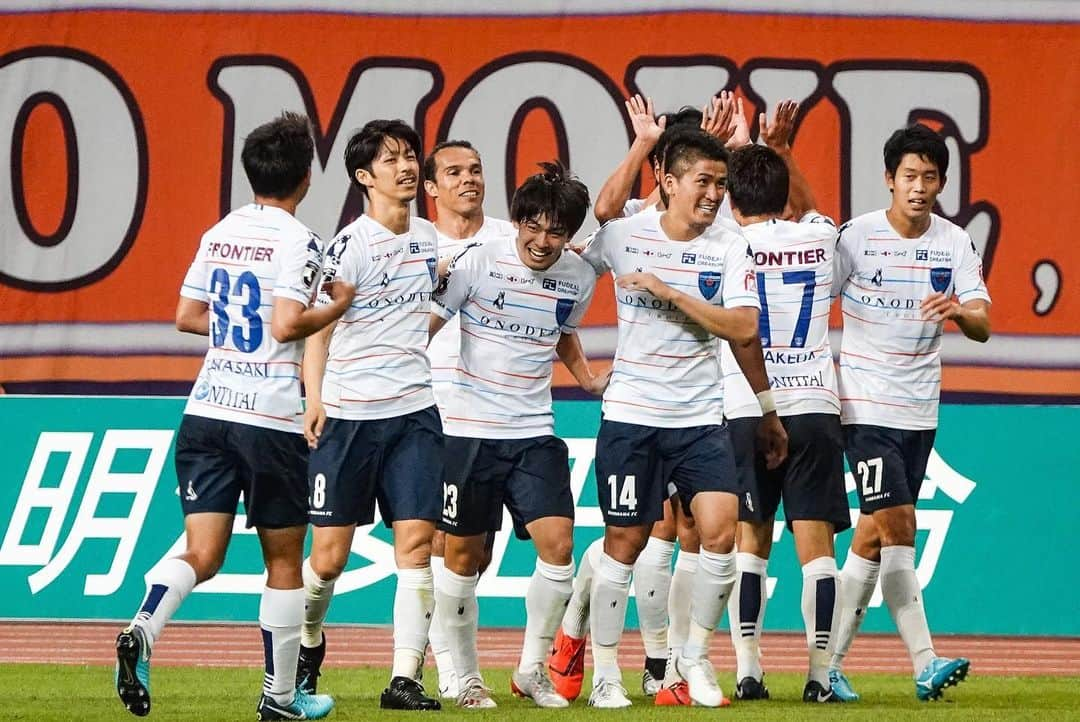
(746, 610)
(652, 585)
(712, 586)
(900, 587)
(857, 583)
(459, 613)
(682, 582)
(820, 604)
(318, 593)
(440, 648)
(545, 601)
(575, 621)
(167, 584)
(610, 590)
(281, 614)
(414, 601)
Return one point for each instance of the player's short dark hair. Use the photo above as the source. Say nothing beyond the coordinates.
(757, 181)
(689, 146)
(686, 117)
(277, 155)
(429, 161)
(920, 140)
(555, 194)
(364, 145)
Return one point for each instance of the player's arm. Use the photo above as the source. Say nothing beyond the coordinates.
(739, 323)
(435, 324)
(573, 356)
(777, 135)
(617, 188)
(972, 317)
(316, 349)
(193, 316)
(292, 320)
(771, 437)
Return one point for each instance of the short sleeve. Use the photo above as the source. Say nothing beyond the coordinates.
(969, 275)
(594, 251)
(194, 285)
(456, 286)
(581, 306)
(815, 217)
(633, 206)
(299, 269)
(740, 280)
(844, 259)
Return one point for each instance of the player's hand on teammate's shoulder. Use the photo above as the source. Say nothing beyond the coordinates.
(643, 281)
(314, 421)
(938, 307)
(777, 134)
(772, 440)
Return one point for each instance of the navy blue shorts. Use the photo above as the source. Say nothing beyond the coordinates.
(396, 462)
(220, 462)
(530, 476)
(889, 465)
(810, 481)
(634, 465)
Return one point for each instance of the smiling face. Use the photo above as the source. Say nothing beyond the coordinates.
(694, 197)
(539, 245)
(458, 187)
(915, 187)
(394, 172)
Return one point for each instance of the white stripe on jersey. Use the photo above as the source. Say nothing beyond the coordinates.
(443, 349)
(248, 258)
(511, 320)
(794, 280)
(890, 368)
(667, 367)
(377, 366)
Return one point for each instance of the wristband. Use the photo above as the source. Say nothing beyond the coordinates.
(765, 399)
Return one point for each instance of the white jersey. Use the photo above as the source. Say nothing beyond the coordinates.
(443, 349)
(667, 367)
(724, 216)
(378, 367)
(890, 368)
(511, 320)
(794, 282)
(252, 256)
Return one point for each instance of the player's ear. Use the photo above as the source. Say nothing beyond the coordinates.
(669, 182)
(943, 179)
(431, 189)
(364, 177)
(890, 180)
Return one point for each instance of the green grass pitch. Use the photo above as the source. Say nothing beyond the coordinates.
(56, 692)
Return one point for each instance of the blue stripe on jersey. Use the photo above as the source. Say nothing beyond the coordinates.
(411, 275)
(922, 282)
(520, 305)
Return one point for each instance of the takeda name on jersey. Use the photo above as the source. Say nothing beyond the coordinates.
(511, 320)
(890, 367)
(667, 367)
(377, 366)
(253, 255)
(794, 264)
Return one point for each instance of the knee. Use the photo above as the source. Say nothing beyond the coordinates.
(413, 553)
(328, 564)
(896, 529)
(206, 561)
(721, 542)
(625, 547)
(560, 552)
(665, 529)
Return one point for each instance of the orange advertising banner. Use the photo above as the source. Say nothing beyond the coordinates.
(122, 131)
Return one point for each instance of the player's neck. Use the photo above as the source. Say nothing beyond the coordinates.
(751, 220)
(456, 226)
(391, 214)
(286, 204)
(905, 226)
(678, 229)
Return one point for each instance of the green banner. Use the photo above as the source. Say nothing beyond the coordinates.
(89, 503)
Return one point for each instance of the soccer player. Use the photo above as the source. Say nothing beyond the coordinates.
(520, 299)
(897, 271)
(371, 418)
(682, 284)
(454, 179)
(250, 290)
(794, 279)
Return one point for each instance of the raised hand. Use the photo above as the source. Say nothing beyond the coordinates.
(716, 116)
(777, 135)
(740, 128)
(642, 119)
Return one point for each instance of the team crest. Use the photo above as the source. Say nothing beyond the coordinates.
(431, 268)
(708, 282)
(939, 278)
(563, 307)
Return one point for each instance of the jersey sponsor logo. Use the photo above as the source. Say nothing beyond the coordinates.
(893, 302)
(921, 254)
(500, 300)
(230, 398)
(937, 255)
(190, 494)
(252, 369)
(414, 247)
(690, 258)
(432, 271)
(790, 258)
(563, 308)
(656, 254)
(643, 301)
(787, 357)
(234, 252)
(708, 282)
(202, 390)
(798, 381)
(518, 328)
(549, 284)
(400, 299)
(632, 250)
(939, 278)
(896, 254)
(876, 278)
